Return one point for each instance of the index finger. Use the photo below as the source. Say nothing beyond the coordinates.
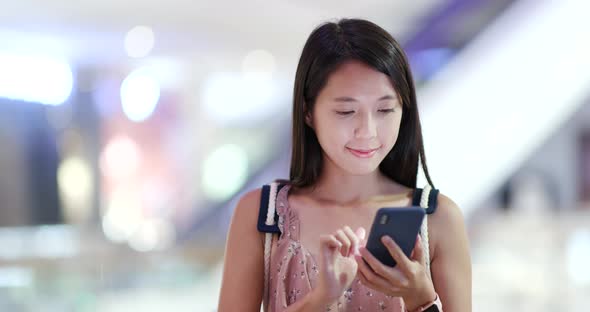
(396, 253)
(354, 239)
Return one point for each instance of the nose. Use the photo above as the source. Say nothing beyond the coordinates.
(366, 127)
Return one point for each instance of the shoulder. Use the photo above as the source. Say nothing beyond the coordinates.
(245, 215)
(446, 225)
(243, 228)
(243, 270)
(450, 257)
(250, 199)
(247, 208)
(447, 211)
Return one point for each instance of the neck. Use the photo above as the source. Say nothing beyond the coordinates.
(344, 188)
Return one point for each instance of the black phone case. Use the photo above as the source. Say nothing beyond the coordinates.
(403, 225)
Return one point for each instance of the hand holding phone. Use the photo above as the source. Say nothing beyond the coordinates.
(402, 224)
(378, 269)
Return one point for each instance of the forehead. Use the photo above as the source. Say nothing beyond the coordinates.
(355, 78)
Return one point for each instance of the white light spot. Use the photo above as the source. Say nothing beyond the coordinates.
(120, 158)
(224, 172)
(139, 41)
(578, 257)
(75, 182)
(16, 276)
(123, 216)
(35, 79)
(153, 234)
(232, 99)
(140, 93)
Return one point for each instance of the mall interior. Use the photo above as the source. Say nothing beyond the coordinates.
(130, 129)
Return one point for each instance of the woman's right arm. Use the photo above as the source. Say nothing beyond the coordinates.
(243, 270)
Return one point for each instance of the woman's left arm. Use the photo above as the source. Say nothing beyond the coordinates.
(450, 259)
(450, 265)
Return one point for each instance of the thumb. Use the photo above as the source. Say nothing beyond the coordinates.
(361, 234)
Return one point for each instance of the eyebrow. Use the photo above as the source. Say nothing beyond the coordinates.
(351, 99)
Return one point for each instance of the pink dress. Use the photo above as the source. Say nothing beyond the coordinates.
(294, 272)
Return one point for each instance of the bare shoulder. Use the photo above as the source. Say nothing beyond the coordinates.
(242, 282)
(251, 198)
(447, 213)
(245, 215)
(450, 258)
(245, 218)
(446, 226)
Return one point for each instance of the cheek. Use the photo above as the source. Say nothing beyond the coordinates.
(331, 132)
(389, 132)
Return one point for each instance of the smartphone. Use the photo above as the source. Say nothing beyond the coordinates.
(400, 223)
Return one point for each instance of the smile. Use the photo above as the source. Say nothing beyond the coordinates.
(363, 153)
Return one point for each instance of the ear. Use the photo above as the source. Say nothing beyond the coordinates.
(308, 118)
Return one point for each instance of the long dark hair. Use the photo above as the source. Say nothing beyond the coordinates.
(328, 46)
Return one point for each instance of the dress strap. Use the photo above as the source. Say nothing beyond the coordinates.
(288, 218)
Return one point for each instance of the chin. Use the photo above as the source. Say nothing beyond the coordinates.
(362, 170)
(355, 166)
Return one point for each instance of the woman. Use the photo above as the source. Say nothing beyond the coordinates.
(357, 142)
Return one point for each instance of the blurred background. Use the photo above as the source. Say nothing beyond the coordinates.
(129, 129)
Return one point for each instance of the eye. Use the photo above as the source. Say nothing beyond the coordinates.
(387, 110)
(344, 113)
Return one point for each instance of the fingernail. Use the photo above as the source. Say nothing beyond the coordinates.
(386, 239)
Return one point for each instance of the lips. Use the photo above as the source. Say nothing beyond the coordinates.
(363, 153)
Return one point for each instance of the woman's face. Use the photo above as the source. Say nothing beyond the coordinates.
(356, 118)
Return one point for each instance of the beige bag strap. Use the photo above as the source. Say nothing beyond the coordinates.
(268, 242)
(424, 230)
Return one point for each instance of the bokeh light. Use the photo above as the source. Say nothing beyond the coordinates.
(139, 41)
(75, 182)
(231, 99)
(123, 216)
(578, 257)
(120, 158)
(153, 234)
(35, 79)
(140, 93)
(224, 171)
